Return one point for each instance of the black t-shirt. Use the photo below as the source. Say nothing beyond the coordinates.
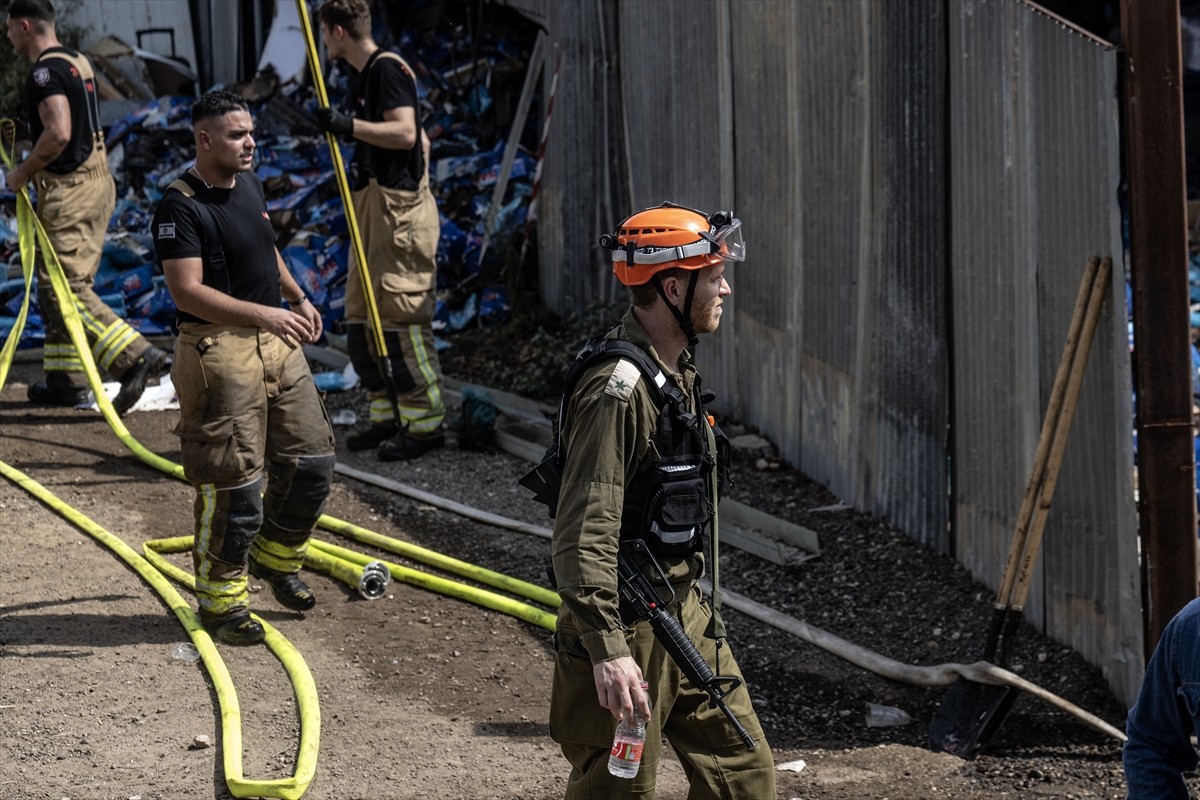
(384, 84)
(52, 75)
(251, 271)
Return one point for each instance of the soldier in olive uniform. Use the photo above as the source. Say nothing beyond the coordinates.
(674, 260)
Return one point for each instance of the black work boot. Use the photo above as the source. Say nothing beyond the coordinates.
(237, 629)
(133, 382)
(43, 394)
(370, 437)
(406, 446)
(288, 588)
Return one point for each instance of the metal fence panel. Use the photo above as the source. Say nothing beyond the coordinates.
(1035, 173)
(902, 385)
(758, 349)
(922, 184)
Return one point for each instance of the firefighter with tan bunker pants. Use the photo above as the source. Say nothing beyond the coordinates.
(398, 221)
(256, 441)
(636, 468)
(68, 166)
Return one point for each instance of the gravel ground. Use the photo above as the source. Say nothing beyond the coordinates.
(870, 585)
(472, 688)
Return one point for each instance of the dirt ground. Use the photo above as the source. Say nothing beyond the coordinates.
(422, 695)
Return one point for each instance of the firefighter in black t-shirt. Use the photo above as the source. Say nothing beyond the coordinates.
(398, 222)
(75, 199)
(249, 412)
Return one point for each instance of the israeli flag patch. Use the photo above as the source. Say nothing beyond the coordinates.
(166, 230)
(624, 378)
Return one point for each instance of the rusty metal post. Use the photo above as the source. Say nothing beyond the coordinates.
(1152, 75)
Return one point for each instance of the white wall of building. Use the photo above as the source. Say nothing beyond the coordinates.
(124, 18)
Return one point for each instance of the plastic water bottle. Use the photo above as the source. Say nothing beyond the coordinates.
(184, 653)
(626, 755)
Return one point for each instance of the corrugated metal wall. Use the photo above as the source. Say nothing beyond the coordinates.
(871, 298)
(921, 184)
(1035, 171)
(585, 184)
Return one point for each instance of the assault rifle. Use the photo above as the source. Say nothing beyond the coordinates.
(645, 601)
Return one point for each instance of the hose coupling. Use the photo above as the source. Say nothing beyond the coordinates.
(374, 581)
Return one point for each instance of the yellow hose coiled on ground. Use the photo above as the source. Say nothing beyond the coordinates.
(30, 227)
(231, 731)
(344, 565)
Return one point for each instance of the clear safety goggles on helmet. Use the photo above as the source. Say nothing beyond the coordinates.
(724, 238)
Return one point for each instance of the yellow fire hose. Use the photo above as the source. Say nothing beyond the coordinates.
(30, 227)
(369, 577)
(481, 597)
(30, 230)
(231, 732)
(443, 562)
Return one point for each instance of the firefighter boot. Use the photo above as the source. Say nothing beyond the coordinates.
(289, 589)
(370, 437)
(237, 629)
(406, 446)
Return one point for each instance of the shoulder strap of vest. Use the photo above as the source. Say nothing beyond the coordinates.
(545, 479)
(84, 67)
(183, 187)
(212, 234)
(661, 388)
(600, 348)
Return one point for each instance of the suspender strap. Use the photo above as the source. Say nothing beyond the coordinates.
(381, 53)
(84, 67)
(212, 236)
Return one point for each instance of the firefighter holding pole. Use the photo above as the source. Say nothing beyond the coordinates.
(393, 272)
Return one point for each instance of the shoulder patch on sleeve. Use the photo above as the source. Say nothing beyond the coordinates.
(624, 378)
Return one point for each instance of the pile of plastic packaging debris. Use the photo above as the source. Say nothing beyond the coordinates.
(468, 92)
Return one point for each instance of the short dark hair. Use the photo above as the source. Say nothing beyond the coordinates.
(39, 10)
(353, 15)
(217, 103)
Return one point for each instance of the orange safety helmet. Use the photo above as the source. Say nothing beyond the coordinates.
(670, 236)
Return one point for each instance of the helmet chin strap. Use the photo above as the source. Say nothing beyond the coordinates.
(684, 318)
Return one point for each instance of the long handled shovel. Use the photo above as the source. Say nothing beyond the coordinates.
(972, 712)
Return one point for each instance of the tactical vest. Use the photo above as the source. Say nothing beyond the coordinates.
(670, 504)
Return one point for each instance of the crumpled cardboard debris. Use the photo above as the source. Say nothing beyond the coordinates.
(466, 107)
